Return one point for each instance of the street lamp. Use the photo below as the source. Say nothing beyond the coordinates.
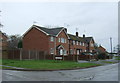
(111, 43)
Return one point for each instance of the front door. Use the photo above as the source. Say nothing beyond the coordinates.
(78, 52)
(61, 51)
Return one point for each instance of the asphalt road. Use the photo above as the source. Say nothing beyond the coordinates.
(101, 73)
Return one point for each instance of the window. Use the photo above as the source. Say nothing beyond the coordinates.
(73, 42)
(52, 39)
(83, 44)
(51, 51)
(92, 45)
(80, 50)
(80, 43)
(1, 39)
(62, 40)
(71, 51)
(90, 50)
(65, 52)
(77, 42)
(59, 40)
(65, 40)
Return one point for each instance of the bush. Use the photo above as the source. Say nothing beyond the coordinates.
(102, 56)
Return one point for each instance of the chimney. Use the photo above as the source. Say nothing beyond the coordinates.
(83, 35)
(77, 34)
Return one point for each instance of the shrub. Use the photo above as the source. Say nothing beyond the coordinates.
(102, 56)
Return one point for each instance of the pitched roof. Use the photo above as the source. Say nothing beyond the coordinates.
(4, 34)
(101, 47)
(73, 37)
(88, 39)
(76, 38)
(50, 31)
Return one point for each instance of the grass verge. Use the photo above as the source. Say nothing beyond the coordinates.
(117, 57)
(109, 62)
(46, 64)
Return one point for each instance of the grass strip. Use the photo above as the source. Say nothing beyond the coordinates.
(46, 64)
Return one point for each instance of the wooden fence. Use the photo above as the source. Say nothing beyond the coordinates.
(41, 55)
(38, 55)
(28, 54)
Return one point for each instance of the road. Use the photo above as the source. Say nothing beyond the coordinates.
(101, 73)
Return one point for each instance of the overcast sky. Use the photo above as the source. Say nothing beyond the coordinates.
(99, 20)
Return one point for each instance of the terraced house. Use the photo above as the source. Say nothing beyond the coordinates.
(56, 41)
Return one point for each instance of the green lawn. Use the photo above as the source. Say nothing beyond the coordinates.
(109, 62)
(117, 57)
(46, 64)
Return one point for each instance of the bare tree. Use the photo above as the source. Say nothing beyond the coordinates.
(1, 25)
(13, 41)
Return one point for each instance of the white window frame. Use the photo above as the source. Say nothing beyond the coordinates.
(73, 42)
(65, 40)
(90, 50)
(92, 45)
(80, 43)
(59, 39)
(83, 44)
(52, 39)
(76, 42)
(62, 40)
(71, 51)
(65, 52)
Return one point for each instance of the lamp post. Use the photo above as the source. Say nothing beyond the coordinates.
(111, 43)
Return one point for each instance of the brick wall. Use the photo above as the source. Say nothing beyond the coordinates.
(66, 45)
(36, 40)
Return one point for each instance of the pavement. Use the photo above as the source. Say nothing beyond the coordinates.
(99, 61)
(100, 73)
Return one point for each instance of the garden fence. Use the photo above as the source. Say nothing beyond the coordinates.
(38, 55)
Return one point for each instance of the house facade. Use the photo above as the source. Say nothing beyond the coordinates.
(51, 41)
(56, 41)
(102, 49)
(3, 41)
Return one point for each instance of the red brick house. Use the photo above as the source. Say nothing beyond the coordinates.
(56, 41)
(81, 44)
(50, 40)
(102, 49)
(3, 41)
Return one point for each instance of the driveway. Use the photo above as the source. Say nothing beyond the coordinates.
(101, 73)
